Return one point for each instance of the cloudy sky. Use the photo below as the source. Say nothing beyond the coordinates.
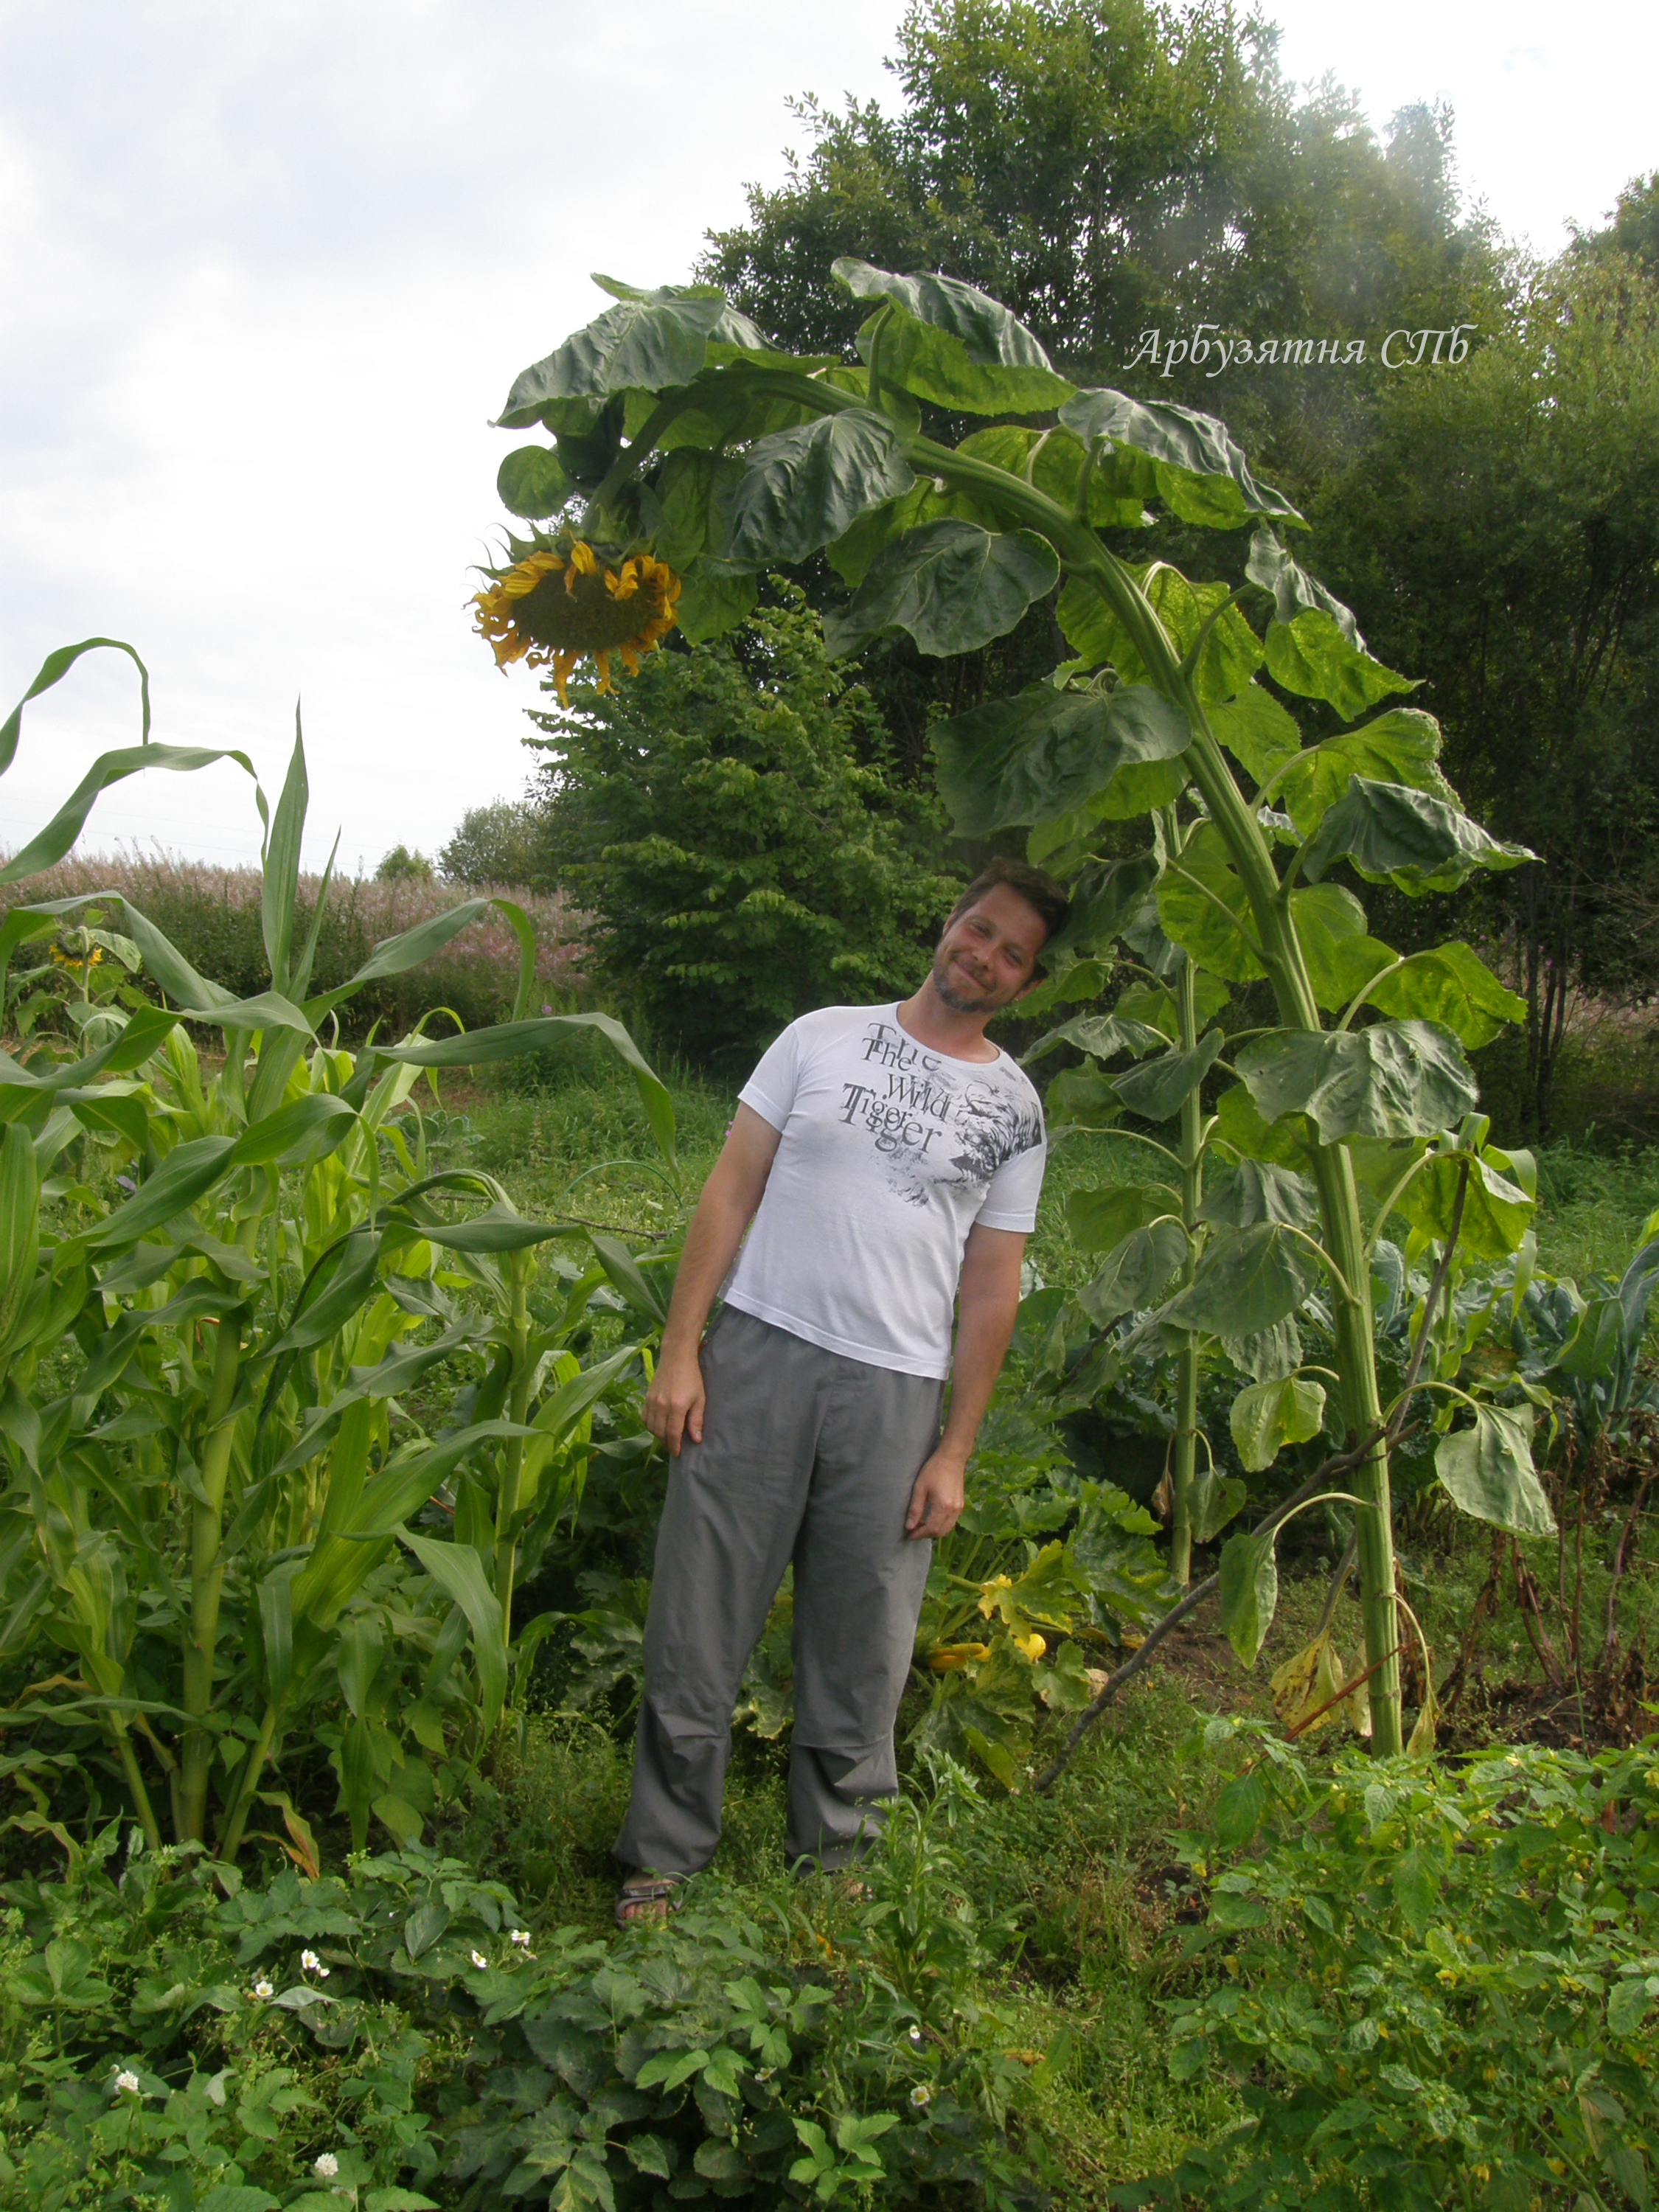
(268, 269)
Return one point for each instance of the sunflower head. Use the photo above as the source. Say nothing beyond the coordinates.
(555, 607)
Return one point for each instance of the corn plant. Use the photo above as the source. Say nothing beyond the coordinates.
(287, 1410)
(688, 457)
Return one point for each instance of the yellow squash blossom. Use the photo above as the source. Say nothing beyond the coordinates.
(554, 608)
(950, 1656)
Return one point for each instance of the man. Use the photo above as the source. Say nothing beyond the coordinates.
(889, 1158)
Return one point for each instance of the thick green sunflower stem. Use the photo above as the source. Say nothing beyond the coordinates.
(1185, 1462)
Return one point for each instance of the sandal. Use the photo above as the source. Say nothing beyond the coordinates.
(647, 1897)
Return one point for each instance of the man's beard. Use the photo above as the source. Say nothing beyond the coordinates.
(952, 994)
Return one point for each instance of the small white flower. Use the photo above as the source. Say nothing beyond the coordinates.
(326, 2166)
(480, 1961)
(310, 1961)
(920, 2097)
(916, 2036)
(261, 1990)
(126, 2082)
(521, 1936)
(765, 2073)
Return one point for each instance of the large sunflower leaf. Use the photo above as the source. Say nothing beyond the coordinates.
(1043, 752)
(951, 584)
(1099, 1217)
(1340, 959)
(803, 487)
(1230, 653)
(715, 599)
(687, 507)
(1265, 1416)
(1293, 589)
(1488, 1471)
(532, 481)
(1312, 657)
(1102, 896)
(1256, 730)
(1247, 1280)
(1400, 746)
(1250, 1593)
(1196, 894)
(1136, 1274)
(1255, 1191)
(1497, 1212)
(1391, 834)
(1392, 1079)
(1102, 1035)
(1186, 441)
(948, 342)
(1287, 1142)
(1452, 987)
(1157, 1088)
(648, 342)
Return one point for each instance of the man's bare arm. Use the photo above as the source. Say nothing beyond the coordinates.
(987, 1304)
(674, 1403)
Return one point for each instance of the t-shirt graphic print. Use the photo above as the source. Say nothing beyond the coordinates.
(890, 1153)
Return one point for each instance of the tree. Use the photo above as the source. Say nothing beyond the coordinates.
(400, 865)
(494, 844)
(728, 821)
(1502, 535)
(1108, 167)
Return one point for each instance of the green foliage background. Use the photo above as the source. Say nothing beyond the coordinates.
(731, 822)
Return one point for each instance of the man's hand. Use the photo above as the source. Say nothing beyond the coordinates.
(674, 1403)
(939, 1497)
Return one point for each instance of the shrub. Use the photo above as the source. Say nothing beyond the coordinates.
(496, 844)
(729, 822)
(1431, 1980)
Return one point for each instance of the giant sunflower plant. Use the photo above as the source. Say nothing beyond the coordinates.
(680, 435)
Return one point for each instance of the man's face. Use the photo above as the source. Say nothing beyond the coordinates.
(988, 955)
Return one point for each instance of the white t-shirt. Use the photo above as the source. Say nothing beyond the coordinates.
(890, 1154)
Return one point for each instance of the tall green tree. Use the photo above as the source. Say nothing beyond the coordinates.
(730, 821)
(1501, 533)
(1108, 167)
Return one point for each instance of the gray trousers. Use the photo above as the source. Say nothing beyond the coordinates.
(805, 1456)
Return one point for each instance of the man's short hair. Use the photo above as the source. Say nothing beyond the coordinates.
(1040, 893)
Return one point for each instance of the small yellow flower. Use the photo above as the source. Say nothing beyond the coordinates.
(1033, 1645)
(626, 611)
